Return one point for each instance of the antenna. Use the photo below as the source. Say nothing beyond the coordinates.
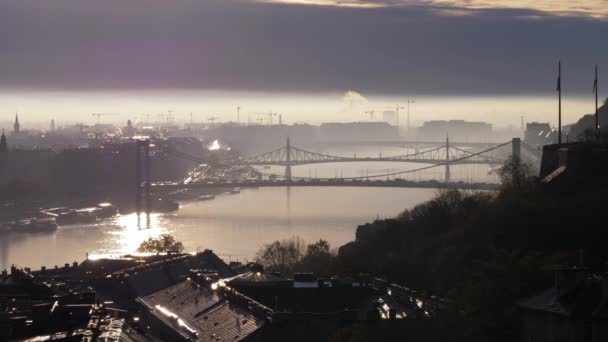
(559, 89)
(595, 90)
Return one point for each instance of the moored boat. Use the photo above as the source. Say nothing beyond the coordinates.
(205, 197)
(36, 225)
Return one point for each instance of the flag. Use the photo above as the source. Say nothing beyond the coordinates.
(595, 82)
(559, 78)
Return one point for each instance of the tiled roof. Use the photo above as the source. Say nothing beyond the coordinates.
(208, 313)
(256, 277)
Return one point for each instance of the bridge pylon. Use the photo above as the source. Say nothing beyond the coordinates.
(447, 159)
(288, 161)
(142, 179)
(516, 159)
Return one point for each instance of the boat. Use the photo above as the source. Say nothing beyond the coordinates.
(105, 210)
(235, 190)
(73, 216)
(36, 225)
(164, 205)
(205, 197)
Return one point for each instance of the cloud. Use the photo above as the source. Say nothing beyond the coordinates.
(353, 98)
(247, 45)
(587, 8)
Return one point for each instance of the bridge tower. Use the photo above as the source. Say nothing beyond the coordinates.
(142, 179)
(516, 159)
(447, 159)
(288, 161)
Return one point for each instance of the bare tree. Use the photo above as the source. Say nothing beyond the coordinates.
(281, 255)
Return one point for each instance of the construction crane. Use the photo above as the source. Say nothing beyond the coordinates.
(270, 114)
(99, 115)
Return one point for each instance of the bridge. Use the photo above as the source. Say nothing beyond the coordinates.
(241, 173)
(291, 156)
(335, 182)
(288, 156)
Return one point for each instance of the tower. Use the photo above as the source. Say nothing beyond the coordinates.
(3, 145)
(288, 162)
(142, 178)
(16, 126)
(447, 159)
(53, 125)
(3, 153)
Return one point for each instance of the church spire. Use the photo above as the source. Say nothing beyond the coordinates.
(3, 146)
(16, 126)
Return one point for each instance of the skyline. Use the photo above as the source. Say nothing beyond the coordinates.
(36, 109)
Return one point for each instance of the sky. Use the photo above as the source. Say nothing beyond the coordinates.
(69, 58)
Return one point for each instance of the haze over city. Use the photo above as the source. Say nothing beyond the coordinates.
(462, 59)
(303, 170)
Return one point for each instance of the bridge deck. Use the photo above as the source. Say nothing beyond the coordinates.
(354, 160)
(336, 183)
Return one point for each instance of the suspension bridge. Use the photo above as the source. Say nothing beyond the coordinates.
(241, 172)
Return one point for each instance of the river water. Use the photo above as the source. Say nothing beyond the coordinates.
(235, 226)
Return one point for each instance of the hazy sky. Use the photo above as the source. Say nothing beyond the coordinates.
(396, 48)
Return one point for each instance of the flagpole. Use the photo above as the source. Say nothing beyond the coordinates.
(597, 125)
(559, 89)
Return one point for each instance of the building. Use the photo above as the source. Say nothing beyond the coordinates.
(3, 145)
(16, 125)
(539, 134)
(192, 310)
(357, 131)
(457, 130)
(574, 309)
(390, 117)
(255, 306)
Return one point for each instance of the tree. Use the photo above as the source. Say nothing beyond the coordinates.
(318, 259)
(319, 248)
(515, 174)
(282, 255)
(161, 244)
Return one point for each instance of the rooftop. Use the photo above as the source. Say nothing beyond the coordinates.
(191, 309)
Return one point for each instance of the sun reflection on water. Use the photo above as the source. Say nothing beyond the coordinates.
(132, 234)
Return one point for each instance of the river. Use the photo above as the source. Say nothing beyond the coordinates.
(235, 226)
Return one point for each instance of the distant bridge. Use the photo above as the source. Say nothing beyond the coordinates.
(289, 156)
(395, 183)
